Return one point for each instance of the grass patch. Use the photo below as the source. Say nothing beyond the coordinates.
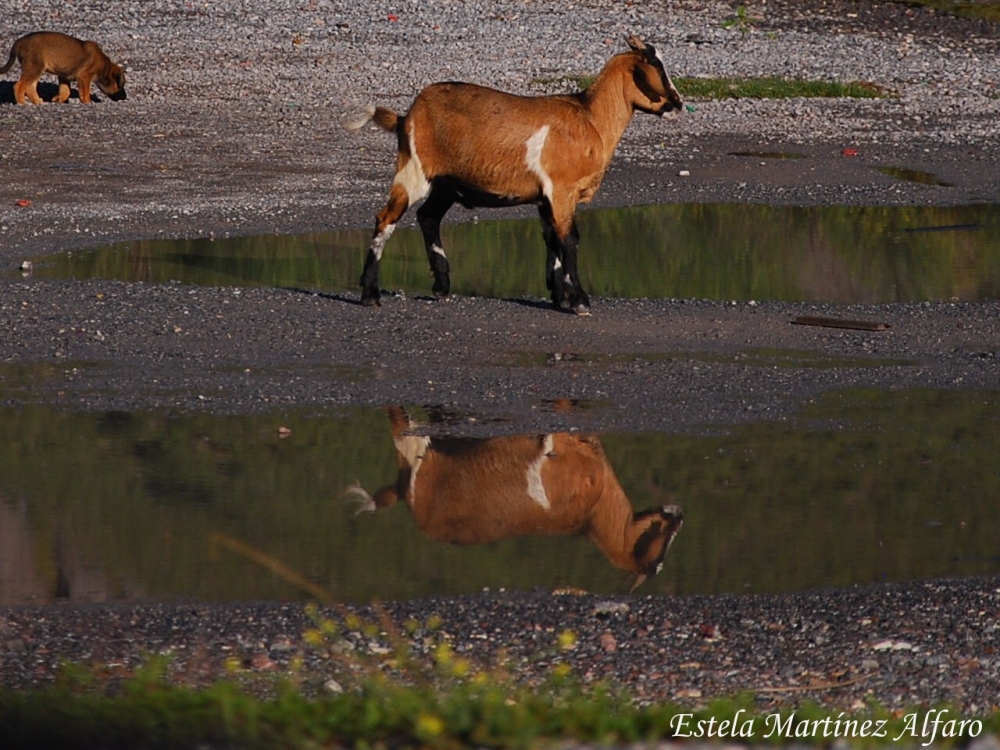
(776, 88)
(985, 9)
(747, 88)
(469, 712)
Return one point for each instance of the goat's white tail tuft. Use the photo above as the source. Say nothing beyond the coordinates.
(356, 495)
(359, 118)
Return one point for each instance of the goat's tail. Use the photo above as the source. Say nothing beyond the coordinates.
(384, 118)
(356, 495)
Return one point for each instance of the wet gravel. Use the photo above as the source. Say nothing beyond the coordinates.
(495, 366)
(232, 127)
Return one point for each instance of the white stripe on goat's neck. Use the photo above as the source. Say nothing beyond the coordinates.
(412, 448)
(533, 159)
(439, 250)
(411, 177)
(536, 489)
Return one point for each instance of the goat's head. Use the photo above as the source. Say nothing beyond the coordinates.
(655, 91)
(661, 526)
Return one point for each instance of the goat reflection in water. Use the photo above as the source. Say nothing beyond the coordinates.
(473, 491)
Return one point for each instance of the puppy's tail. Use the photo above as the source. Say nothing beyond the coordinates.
(10, 60)
(384, 118)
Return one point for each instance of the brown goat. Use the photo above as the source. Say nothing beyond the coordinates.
(473, 491)
(485, 148)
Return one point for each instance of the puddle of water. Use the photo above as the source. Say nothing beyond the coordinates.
(768, 154)
(21, 381)
(914, 175)
(709, 251)
(757, 357)
(861, 487)
(763, 357)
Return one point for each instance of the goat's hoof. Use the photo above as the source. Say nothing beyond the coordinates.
(371, 302)
(671, 511)
(581, 309)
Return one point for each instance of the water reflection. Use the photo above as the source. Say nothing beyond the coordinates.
(862, 486)
(914, 175)
(709, 251)
(476, 491)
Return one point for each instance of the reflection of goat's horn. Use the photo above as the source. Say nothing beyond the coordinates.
(640, 578)
(356, 495)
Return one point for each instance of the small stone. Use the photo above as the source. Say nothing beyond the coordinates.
(611, 608)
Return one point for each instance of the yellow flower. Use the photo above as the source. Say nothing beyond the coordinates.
(460, 668)
(443, 654)
(567, 640)
(434, 622)
(313, 637)
(429, 725)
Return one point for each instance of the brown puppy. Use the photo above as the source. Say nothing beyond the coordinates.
(70, 60)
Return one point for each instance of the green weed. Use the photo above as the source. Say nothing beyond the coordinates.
(742, 21)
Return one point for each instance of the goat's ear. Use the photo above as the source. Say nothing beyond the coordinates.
(635, 43)
(648, 50)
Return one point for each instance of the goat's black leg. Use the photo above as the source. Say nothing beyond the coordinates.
(553, 258)
(384, 225)
(561, 276)
(429, 217)
(579, 302)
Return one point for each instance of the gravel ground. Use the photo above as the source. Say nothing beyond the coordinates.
(903, 646)
(232, 127)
